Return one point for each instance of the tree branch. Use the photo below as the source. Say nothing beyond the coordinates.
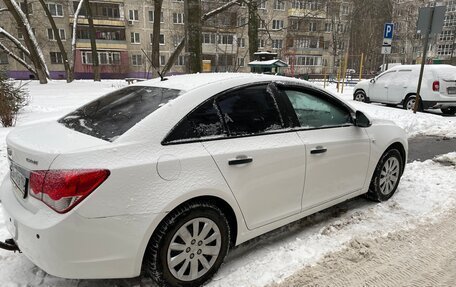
(17, 58)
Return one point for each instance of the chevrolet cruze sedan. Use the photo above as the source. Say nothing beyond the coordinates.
(164, 176)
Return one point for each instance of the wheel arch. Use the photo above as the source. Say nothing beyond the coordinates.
(359, 90)
(229, 211)
(400, 147)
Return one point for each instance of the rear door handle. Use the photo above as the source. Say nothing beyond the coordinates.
(318, 150)
(240, 160)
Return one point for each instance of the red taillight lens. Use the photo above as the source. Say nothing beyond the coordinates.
(62, 190)
(436, 86)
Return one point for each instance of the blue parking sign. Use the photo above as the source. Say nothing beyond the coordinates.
(388, 31)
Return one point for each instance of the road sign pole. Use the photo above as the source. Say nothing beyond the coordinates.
(423, 61)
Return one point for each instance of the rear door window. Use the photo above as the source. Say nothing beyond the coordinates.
(112, 115)
(250, 110)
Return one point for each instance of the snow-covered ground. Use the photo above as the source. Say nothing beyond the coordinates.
(425, 193)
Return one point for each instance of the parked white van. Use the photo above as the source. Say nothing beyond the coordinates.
(398, 86)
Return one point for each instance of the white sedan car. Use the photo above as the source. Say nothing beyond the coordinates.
(166, 176)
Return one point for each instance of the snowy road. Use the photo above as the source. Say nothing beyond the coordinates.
(426, 195)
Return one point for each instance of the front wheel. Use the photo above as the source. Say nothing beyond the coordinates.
(386, 177)
(450, 111)
(360, 96)
(409, 103)
(189, 246)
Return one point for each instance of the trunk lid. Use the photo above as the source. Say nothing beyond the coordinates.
(34, 147)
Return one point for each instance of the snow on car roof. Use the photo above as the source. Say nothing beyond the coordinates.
(192, 81)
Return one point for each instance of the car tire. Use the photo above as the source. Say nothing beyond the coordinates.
(386, 176)
(196, 256)
(360, 96)
(450, 111)
(409, 103)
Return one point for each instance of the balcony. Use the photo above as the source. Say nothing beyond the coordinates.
(99, 21)
(102, 44)
(306, 13)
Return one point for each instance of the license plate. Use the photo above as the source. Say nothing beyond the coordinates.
(451, 90)
(19, 180)
(11, 227)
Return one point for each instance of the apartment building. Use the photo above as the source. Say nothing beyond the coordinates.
(306, 34)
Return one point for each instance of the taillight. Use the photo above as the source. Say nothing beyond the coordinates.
(436, 86)
(62, 190)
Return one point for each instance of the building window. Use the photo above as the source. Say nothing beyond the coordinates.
(262, 25)
(312, 27)
(55, 9)
(27, 8)
(52, 37)
(241, 62)
(3, 58)
(262, 4)
(308, 60)
(133, 15)
(104, 58)
(277, 44)
(162, 39)
(241, 42)
(226, 39)
(261, 43)
(328, 27)
(162, 60)
(180, 61)
(136, 60)
(20, 36)
(151, 16)
(178, 18)
(56, 57)
(135, 38)
(279, 5)
(111, 12)
(208, 38)
(277, 24)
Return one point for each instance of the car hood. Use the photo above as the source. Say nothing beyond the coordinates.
(36, 146)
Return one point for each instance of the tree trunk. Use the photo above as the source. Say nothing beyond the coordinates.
(93, 43)
(156, 34)
(66, 64)
(34, 54)
(193, 34)
(253, 28)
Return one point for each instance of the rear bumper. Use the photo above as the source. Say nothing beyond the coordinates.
(438, 104)
(72, 246)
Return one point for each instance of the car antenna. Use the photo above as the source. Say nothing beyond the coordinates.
(155, 68)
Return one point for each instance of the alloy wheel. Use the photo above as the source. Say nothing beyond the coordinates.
(389, 175)
(194, 249)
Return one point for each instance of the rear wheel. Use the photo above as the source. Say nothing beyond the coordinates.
(386, 176)
(449, 111)
(189, 246)
(359, 96)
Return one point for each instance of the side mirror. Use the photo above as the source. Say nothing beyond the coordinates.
(372, 80)
(362, 120)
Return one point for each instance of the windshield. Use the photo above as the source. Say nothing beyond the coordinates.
(112, 115)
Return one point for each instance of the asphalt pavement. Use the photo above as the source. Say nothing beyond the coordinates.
(422, 148)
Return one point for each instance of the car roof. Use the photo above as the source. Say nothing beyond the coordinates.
(190, 82)
(418, 66)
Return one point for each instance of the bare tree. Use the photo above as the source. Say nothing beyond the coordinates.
(254, 19)
(156, 33)
(93, 43)
(36, 55)
(193, 31)
(55, 30)
(17, 58)
(73, 39)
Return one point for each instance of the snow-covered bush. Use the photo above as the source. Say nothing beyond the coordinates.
(13, 97)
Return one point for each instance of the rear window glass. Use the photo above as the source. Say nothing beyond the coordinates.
(112, 115)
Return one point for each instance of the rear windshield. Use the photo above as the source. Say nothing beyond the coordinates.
(112, 115)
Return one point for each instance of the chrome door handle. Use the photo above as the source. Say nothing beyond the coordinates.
(240, 160)
(319, 149)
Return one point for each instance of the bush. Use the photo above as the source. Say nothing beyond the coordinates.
(13, 97)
